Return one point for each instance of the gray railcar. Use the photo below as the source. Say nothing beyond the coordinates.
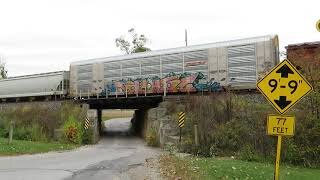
(45, 84)
(236, 64)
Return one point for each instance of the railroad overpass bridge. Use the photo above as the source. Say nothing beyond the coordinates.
(148, 109)
(151, 111)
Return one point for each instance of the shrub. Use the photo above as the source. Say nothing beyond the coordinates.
(248, 153)
(188, 145)
(151, 137)
(3, 133)
(87, 137)
(29, 133)
(73, 130)
(22, 133)
(171, 148)
(37, 133)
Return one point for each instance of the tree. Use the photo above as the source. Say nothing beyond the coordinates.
(3, 71)
(136, 43)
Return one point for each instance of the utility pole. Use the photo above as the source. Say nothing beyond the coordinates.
(10, 132)
(186, 36)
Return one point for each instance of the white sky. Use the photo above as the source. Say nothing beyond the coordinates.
(46, 35)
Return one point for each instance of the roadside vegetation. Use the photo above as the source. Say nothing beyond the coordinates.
(235, 125)
(228, 168)
(151, 137)
(18, 147)
(44, 128)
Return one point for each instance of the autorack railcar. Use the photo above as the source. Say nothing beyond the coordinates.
(236, 64)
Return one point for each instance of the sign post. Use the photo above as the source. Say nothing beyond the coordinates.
(10, 132)
(280, 126)
(181, 119)
(277, 166)
(283, 87)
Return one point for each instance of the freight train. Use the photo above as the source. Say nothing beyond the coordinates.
(235, 64)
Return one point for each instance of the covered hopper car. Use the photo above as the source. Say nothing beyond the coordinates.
(35, 85)
(236, 64)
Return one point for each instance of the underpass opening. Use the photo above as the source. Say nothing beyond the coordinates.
(122, 122)
(117, 122)
(131, 112)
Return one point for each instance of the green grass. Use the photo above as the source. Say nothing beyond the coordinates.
(18, 147)
(226, 168)
(236, 169)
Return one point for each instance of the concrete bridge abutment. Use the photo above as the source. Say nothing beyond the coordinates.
(163, 121)
(92, 120)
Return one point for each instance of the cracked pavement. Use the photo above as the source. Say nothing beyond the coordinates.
(116, 156)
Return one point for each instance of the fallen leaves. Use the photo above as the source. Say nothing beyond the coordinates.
(177, 169)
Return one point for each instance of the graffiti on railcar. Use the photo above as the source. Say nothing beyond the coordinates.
(175, 83)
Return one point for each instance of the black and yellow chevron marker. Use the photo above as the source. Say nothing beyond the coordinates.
(86, 123)
(181, 119)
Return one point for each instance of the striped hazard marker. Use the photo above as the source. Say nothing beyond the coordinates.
(181, 119)
(87, 123)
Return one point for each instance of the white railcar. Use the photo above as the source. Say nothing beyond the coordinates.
(35, 85)
(237, 64)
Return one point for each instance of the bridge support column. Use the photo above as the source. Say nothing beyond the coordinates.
(92, 115)
(99, 113)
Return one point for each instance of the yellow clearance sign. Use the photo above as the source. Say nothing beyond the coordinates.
(284, 86)
(280, 125)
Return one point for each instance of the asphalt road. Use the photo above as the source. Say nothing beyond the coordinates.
(115, 157)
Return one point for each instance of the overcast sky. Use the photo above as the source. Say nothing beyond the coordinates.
(46, 35)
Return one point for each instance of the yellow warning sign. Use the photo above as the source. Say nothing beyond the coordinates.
(284, 86)
(87, 123)
(181, 117)
(280, 125)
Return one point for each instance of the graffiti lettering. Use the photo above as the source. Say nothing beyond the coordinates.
(185, 82)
